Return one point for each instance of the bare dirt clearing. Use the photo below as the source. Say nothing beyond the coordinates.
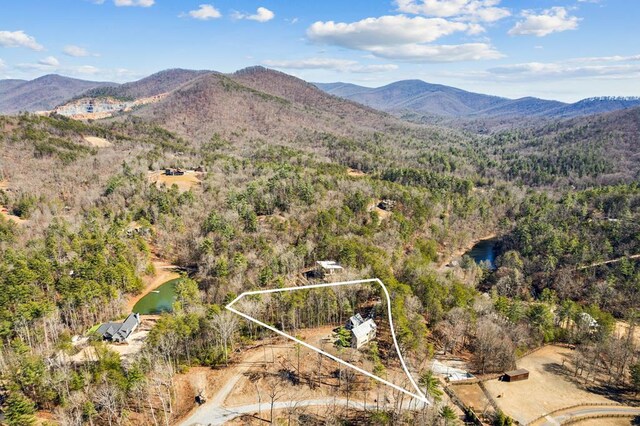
(382, 214)
(356, 173)
(5, 213)
(473, 396)
(97, 142)
(547, 389)
(185, 182)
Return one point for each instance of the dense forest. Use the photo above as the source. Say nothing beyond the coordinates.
(274, 200)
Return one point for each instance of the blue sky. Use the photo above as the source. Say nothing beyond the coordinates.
(557, 49)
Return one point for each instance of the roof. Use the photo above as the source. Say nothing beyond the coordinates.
(108, 329)
(329, 264)
(356, 320)
(363, 330)
(119, 331)
(591, 322)
(517, 372)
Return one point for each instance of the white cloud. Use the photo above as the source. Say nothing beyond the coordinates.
(405, 38)
(75, 51)
(205, 12)
(341, 65)
(556, 19)
(2, 64)
(19, 39)
(141, 3)
(85, 70)
(262, 15)
(438, 53)
(604, 66)
(49, 61)
(471, 10)
(383, 31)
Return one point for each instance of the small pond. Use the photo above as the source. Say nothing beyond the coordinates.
(485, 251)
(159, 300)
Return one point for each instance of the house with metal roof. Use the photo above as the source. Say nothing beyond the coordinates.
(363, 333)
(119, 332)
(328, 267)
(354, 321)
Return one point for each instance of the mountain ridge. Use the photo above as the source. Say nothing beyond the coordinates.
(428, 99)
(417, 99)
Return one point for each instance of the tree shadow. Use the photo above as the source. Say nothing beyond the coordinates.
(612, 392)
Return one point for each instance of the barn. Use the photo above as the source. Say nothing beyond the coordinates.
(516, 375)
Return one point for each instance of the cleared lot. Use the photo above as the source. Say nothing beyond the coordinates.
(184, 182)
(547, 389)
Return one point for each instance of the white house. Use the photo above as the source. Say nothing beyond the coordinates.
(363, 333)
(328, 267)
(354, 321)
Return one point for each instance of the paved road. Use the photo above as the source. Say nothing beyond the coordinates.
(572, 413)
(216, 415)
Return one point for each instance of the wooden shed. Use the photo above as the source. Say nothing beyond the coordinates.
(516, 375)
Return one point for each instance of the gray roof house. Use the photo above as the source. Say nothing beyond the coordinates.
(119, 332)
(363, 333)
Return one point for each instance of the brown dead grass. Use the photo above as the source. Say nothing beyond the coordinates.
(185, 182)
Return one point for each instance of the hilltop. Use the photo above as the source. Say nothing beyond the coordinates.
(153, 85)
(259, 102)
(41, 94)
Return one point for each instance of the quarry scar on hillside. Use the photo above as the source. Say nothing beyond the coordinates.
(419, 395)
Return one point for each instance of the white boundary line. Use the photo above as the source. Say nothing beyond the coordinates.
(418, 395)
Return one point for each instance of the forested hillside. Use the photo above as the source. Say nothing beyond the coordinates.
(582, 152)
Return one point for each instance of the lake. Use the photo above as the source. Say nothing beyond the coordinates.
(157, 303)
(484, 251)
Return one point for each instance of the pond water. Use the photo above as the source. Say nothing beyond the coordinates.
(159, 300)
(484, 251)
